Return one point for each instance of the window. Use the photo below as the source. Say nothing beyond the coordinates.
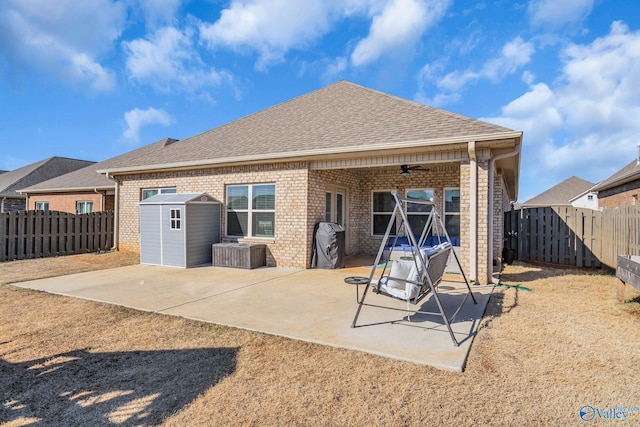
(382, 207)
(452, 212)
(251, 210)
(148, 192)
(175, 219)
(42, 206)
(590, 197)
(84, 207)
(416, 213)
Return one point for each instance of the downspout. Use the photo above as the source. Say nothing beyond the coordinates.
(2, 205)
(26, 202)
(116, 213)
(102, 195)
(492, 163)
(473, 213)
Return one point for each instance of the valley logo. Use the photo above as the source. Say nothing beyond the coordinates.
(589, 413)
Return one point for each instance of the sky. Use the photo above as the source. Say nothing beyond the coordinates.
(96, 78)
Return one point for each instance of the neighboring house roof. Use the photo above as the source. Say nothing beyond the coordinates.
(13, 181)
(560, 194)
(630, 172)
(176, 199)
(87, 179)
(339, 119)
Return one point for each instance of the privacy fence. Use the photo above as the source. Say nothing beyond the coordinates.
(36, 234)
(573, 236)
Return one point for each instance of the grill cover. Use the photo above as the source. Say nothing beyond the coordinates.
(328, 246)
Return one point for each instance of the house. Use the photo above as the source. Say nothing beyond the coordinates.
(572, 191)
(83, 190)
(334, 154)
(80, 191)
(12, 181)
(620, 189)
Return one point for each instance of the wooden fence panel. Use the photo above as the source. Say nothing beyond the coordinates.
(37, 234)
(574, 236)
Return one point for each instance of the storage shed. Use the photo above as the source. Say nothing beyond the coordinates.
(178, 229)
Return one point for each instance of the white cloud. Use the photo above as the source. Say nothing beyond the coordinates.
(399, 25)
(63, 38)
(555, 14)
(159, 11)
(514, 55)
(168, 60)
(137, 118)
(334, 69)
(271, 27)
(587, 124)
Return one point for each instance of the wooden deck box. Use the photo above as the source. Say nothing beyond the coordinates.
(239, 255)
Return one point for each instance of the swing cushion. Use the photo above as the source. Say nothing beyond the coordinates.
(405, 276)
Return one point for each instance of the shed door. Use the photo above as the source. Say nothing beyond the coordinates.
(150, 235)
(173, 235)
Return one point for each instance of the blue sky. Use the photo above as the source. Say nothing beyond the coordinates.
(93, 79)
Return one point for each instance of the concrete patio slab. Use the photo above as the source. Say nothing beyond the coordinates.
(309, 305)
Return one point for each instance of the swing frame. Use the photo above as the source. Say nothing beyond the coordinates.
(429, 268)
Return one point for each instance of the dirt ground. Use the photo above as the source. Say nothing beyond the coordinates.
(551, 343)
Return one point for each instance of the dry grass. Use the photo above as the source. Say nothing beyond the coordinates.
(539, 356)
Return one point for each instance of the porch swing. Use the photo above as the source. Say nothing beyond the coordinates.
(419, 271)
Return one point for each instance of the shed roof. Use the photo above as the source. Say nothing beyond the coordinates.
(178, 199)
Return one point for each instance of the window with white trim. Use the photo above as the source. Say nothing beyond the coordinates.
(418, 214)
(148, 192)
(382, 204)
(83, 207)
(452, 211)
(175, 219)
(42, 206)
(251, 210)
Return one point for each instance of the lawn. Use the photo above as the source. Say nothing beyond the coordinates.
(539, 357)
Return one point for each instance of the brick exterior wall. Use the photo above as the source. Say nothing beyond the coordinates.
(300, 203)
(620, 196)
(66, 202)
(289, 247)
(484, 273)
(349, 180)
(482, 224)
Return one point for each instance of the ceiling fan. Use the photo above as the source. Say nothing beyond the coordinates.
(406, 169)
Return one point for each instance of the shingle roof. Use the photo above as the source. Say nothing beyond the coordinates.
(628, 173)
(560, 194)
(87, 178)
(339, 118)
(12, 181)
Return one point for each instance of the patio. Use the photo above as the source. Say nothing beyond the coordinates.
(309, 305)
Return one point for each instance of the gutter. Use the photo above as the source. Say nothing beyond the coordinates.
(304, 155)
(492, 163)
(116, 216)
